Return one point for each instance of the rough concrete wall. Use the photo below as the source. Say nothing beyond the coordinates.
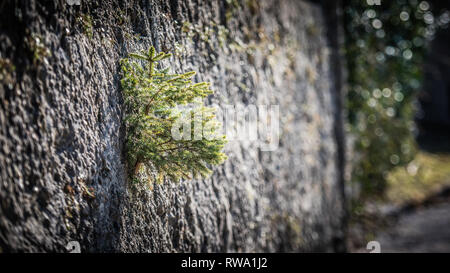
(62, 137)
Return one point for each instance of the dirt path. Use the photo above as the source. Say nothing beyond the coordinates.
(421, 230)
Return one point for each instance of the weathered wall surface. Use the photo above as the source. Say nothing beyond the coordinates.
(61, 132)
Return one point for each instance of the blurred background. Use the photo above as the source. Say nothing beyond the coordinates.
(398, 125)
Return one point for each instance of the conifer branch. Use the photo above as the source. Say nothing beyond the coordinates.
(151, 96)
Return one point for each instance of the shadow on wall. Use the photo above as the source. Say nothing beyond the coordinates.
(434, 116)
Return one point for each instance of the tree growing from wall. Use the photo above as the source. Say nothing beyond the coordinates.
(152, 119)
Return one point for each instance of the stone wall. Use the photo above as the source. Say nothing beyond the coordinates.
(62, 162)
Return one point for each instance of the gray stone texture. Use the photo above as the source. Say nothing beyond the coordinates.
(62, 136)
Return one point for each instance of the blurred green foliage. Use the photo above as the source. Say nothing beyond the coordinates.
(385, 49)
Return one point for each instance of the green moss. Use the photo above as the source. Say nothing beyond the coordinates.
(222, 35)
(253, 6)
(37, 48)
(232, 6)
(203, 33)
(7, 69)
(291, 228)
(186, 27)
(121, 17)
(86, 23)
